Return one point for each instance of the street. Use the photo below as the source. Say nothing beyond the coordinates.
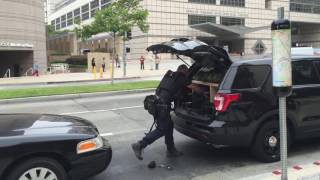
(122, 120)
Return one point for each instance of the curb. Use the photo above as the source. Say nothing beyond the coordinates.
(66, 82)
(73, 96)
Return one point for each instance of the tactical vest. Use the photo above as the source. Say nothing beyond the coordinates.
(169, 86)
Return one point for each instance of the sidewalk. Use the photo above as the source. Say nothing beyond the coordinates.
(133, 71)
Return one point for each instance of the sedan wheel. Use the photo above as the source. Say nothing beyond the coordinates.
(39, 173)
(40, 168)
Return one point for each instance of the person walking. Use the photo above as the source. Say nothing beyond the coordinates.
(170, 86)
(103, 65)
(142, 63)
(117, 61)
(93, 63)
(157, 61)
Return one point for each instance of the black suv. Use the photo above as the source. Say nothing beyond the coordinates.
(243, 111)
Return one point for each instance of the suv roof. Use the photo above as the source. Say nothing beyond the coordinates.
(268, 60)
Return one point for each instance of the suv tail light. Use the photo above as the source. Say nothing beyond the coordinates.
(222, 101)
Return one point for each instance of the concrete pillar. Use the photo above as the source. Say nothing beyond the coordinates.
(218, 2)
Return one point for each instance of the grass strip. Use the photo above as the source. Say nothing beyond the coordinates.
(35, 92)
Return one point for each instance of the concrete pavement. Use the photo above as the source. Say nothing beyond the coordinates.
(122, 120)
(133, 71)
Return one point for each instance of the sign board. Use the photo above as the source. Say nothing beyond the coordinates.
(11, 44)
(281, 55)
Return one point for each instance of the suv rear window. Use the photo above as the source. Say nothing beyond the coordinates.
(250, 76)
(304, 72)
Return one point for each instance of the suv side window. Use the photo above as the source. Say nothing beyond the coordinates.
(304, 72)
(250, 76)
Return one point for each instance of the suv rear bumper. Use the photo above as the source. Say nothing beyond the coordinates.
(218, 135)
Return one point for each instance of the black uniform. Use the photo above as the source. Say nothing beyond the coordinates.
(169, 86)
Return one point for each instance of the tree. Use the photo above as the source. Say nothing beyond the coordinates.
(118, 18)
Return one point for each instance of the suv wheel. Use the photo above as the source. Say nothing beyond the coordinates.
(266, 146)
(38, 168)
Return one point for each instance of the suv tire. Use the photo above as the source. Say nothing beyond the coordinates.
(48, 166)
(266, 146)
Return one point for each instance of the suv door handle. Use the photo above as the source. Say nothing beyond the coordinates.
(294, 94)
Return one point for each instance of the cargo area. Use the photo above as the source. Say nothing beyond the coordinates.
(205, 76)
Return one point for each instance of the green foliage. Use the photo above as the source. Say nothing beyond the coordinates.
(120, 17)
(33, 92)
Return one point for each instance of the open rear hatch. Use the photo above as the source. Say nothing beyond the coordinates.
(208, 70)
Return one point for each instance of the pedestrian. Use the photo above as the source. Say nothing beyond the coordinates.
(93, 63)
(35, 71)
(117, 61)
(171, 84)
(157, 61)
(103, 65)
(142, 63)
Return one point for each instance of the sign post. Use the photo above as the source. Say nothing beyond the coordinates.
(282, 78)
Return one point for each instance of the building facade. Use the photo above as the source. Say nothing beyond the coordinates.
(240, 26)
(22, 36)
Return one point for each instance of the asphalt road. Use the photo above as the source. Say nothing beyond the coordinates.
(122, 120)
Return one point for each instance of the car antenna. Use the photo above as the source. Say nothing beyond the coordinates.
(183, 60)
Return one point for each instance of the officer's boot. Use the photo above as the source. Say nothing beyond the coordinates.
(137, 149)
(173, 152)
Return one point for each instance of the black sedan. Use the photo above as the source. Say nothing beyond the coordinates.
(50, 147)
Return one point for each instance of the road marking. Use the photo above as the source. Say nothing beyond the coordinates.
(106, 134)
(121, 132)
(102, 110)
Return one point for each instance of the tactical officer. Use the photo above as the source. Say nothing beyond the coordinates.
(169, 86)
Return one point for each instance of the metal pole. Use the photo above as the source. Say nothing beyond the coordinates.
(283, 124)
(283, 137)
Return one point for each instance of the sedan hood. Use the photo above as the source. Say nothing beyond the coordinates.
(24, 124)
(194, 49)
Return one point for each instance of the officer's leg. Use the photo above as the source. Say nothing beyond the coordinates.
(171, 149)
(162, 125)
(169, 135)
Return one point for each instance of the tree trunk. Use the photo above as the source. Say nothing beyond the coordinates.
(114, 56)
(124, 56)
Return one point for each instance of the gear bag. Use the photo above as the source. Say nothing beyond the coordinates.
(150, 104)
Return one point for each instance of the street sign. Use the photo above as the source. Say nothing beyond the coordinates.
(282, 78)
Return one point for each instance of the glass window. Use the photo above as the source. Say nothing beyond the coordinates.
(58, 21)
(76, 12)
(193, 19)
(53, 23)
(248, 77)
(232, 21)
(63, 18)
(69, 19)
(203, 1)
(304, 72)
(94, 12)
(94, 4)
(306, 6)
(69, 15)
(85, 16)
(105, 1)
(238, 3)
(84, 8)
(77, 19)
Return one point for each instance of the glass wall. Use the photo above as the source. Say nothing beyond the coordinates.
(82, 13)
